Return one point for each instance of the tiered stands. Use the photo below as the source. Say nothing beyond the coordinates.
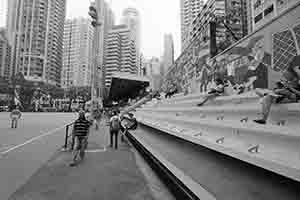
(225, 125)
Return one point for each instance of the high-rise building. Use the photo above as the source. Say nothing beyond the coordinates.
(249, 16)
(36, 29)
(189, 9)
(204, 26)
(263, 11)
(3, 4)
(5, 53)
(77, 53)
(107, 19)
(120, 53)
(168, 56)
(131, 17)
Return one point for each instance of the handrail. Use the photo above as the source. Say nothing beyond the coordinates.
(67, 137)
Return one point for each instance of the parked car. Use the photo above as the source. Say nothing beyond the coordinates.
(4, 108)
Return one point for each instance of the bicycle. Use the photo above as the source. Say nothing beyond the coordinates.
(80, 149)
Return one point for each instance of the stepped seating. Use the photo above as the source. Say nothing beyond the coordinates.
(227, 127)
(193, 100)
(281, 114)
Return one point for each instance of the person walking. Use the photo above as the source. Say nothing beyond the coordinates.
(114, 128)
(80, 133)
(15, 115)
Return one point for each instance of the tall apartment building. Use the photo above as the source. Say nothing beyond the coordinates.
(168, 56)
(107, 19)
(131, 17)
(120, 53)
(249, 16)
(5, 53)
(77, 53)
(189, 9)
(3, 5)
(36, 30)
(263, 11)
(204, 26)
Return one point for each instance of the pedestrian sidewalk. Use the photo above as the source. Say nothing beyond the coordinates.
(106, 175)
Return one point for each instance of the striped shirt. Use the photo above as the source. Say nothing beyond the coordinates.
(81, 127)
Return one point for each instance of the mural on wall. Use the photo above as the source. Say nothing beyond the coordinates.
(258, 60)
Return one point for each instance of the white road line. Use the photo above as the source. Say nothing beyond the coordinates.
(32, 140)
(95, 150)
(5, 147)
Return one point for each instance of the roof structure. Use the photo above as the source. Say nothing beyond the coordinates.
(124, 86)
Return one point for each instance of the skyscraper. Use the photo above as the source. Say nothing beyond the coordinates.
(3, 4)
(131, 18)
(189, 9)
(36, 30)
(107, 20)
(5, 53)
(77, 53)
(168, 57)
(120, 53)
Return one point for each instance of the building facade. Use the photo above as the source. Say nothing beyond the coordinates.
(258, 60)
(36, 35)
(120, 53)
(131, 17)
(263, 11)
(189, 9)
(168, 56)
(77, 53)
(5, 54)
(107, 19)
(206, 27)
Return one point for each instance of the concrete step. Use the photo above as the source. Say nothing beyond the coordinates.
(194, 100)
(281, 114)
(263, 146)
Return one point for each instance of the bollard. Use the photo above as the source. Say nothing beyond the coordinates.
(66, 137)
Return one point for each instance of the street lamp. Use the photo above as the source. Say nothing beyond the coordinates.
(96, 24)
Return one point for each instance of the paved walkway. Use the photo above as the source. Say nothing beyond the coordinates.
(106, 175)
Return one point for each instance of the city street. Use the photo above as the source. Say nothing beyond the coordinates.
(25, 149)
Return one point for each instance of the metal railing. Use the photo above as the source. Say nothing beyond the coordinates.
(68, 136)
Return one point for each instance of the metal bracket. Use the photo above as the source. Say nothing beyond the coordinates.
(244, 119)
(198, 134)
(220, 117)
(281, 123)
(220, 140)
(254, 149)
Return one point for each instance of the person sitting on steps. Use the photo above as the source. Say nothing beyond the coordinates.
(213, 93)
(288, 92)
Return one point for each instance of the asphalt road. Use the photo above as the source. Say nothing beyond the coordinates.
(25, 149)
(224, 177)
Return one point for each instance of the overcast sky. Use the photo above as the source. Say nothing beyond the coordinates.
(157, 18)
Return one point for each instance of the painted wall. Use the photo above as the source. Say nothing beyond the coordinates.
(263, 55)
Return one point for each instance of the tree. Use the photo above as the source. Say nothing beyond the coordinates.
(74, 93)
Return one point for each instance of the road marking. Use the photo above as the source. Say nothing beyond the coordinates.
(5, 147)
(32, 140)
(95, 150)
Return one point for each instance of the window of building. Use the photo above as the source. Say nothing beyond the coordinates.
(269, 10)
(258, 18)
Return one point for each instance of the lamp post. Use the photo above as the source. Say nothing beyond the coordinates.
(95, 72)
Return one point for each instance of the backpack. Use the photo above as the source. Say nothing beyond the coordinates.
(115, 124)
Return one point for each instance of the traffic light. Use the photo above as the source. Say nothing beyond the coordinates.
(94, 15)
